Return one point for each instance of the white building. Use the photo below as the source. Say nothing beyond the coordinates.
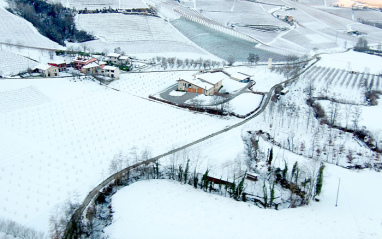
(109, 71)
(46, 70)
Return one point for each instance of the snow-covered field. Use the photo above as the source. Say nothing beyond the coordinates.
(116, 27)
(16, 30)
(173, 210)
(11, 63)
(232, 86)
(245, 103)
(59, 138)
(145, 84)
(352, 61)
(345, 76)
(100, 4)
(135, 34)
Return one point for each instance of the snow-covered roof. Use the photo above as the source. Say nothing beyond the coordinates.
(110, 68)
(90, 65)
(212, 78)
(84, 58)
(113, 55)
(43, 67)
(198, 83)
(102, 63)
(124, 57)
(58, 62)
(239, 76)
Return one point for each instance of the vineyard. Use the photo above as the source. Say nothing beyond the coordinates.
(115, 27)
(342, 85)
(220, 44)
(59, 139)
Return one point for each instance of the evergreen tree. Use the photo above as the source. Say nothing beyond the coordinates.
(294, 170)
(320, 178)
(240, 187)
(270, 157)
(272, 194)
(186, 171)
(285, 170)
(205, 180)
(196, 179)
(180, 173)
(265, 195)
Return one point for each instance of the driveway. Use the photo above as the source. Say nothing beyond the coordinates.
(177, 99)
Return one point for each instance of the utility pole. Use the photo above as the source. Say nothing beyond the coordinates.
(338, 190)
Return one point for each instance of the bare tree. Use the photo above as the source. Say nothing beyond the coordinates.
(231, 60)
(356, 115)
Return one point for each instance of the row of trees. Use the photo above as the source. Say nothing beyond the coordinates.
(51, 19)
(173, 62)
(303, 183)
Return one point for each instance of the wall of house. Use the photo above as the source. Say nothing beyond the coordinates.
(52, 71)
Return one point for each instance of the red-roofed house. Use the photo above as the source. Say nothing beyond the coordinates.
(81, 61)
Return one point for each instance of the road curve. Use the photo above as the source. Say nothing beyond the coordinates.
(76, 217)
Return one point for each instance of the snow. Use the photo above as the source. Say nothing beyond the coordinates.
(232, 86)
(352, 61)
(43, 67)
(245, 103)
(145, 84)
(145, 33)
(100, 4)
(369, 117)
(11, 63)
(59, 136)
(177, 93)
(263, 77)
(172, 210)
(212, 78)
(16, 30)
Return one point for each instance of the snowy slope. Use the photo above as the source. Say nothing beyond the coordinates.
(16, 30)
(173, 210)
(59, 142)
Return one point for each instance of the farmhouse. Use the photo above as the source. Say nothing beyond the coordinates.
(46, 70)
(118, 59)
(207, 83)
(81, 61)
(241, 77)
(113, 57)
(61, 65)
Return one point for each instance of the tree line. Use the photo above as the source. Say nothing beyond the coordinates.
(51, 19)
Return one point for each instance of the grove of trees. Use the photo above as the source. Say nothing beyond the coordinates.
(51, 19)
